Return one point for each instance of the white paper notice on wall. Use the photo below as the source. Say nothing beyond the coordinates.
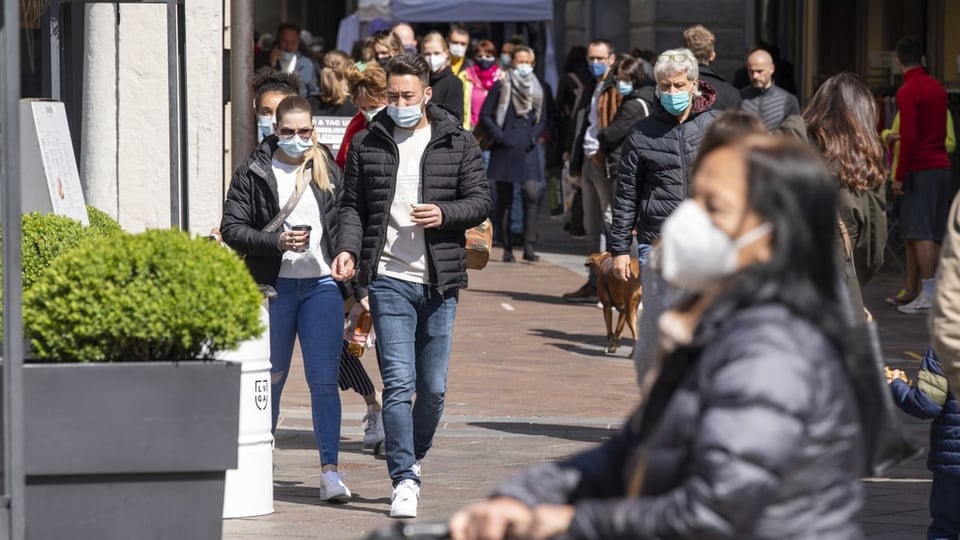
(51, 181)
(330, 130)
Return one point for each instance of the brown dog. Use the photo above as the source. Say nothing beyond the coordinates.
(624, 296)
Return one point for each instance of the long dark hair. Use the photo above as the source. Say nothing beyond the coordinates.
(789, 186)
(842, 120)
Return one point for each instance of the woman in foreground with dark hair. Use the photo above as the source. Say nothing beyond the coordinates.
(750, 426)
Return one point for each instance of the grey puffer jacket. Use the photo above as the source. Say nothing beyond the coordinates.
(756, 436)
(453, 179)
(655, 169)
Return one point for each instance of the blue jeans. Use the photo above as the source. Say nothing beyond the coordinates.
(944, 502)
(414, 326)
(313, 310)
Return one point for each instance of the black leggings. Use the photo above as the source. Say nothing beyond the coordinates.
(530, 193)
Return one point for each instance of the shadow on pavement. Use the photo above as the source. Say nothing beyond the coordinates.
(530, 297)
(291, 439)
(309, 495)
(586, 344)
(556, 431)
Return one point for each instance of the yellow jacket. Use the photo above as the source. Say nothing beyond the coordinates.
(950, 142)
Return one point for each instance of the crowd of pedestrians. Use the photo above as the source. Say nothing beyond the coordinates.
(755, 222)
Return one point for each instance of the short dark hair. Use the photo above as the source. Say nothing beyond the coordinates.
(457, 28)
(287, 26)
(410, 64)
(605, 42)
(632, 67)
(909, 51)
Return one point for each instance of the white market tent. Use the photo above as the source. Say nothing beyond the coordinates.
(436, 11)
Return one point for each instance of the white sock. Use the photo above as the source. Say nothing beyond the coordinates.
(928, 286)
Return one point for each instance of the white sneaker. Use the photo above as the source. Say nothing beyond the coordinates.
(332, 487)
(405, 498)
(372, 428)
(416, 468)
(920, 304)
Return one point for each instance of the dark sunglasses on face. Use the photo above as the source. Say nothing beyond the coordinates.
(286, 133)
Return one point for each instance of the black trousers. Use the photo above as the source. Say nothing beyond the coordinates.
(530, 193)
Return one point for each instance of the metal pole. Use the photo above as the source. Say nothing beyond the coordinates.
(12, 509)
(173, 78)
(50, 50)
(241, 69)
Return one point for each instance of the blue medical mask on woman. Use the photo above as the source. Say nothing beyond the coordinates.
(295, 146)
(675, 104)
(405, 117)
(265, 126)
(371, 113)
(624, 87)
(524, 70)
(598, 68)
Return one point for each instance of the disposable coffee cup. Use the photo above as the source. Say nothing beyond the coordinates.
(306, 228)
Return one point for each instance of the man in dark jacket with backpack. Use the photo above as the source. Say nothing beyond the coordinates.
(414, 183)
(654, 180)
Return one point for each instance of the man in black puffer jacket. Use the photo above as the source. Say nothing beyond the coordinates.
(414, 183)
(654, 178)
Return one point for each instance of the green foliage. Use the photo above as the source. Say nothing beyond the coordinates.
(155, 296)
(44, 238)
(101, 224)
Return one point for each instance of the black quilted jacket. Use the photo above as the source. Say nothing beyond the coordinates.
(453, 179)
(252, 202)
(655, 171)
(757, 438)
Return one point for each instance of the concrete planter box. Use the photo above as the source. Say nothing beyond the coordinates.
(129, 450)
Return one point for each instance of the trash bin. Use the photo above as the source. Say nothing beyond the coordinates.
(249, 487)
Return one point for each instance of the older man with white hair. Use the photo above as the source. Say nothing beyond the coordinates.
(655, 179)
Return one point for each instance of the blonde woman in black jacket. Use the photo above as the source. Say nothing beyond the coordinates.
(290, 170)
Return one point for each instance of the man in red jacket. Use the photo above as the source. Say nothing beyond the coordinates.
(922, 177)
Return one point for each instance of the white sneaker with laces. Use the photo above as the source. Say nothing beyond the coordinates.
(372, 428)
(416, 468)
(406, 496)
(332, 487)
(920, 304)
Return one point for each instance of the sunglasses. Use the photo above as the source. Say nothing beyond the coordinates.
(675, 57)
(286, 133)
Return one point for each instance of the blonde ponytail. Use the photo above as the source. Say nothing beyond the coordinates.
(321, 170)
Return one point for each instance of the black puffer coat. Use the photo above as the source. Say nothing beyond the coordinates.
(757, 437)
(252, 202)
(453, 179)
(635, 107)
(655, 170)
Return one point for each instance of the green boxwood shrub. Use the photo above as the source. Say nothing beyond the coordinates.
(44, 238)
(156, 296)
(101, 224)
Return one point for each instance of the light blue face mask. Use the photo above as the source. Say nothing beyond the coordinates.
(675, 104)
(524, 70)
(505, 59)
(295, 147)
(265, 126)
(599, 69)
(405, 117)
(371, 113)
(624, 88)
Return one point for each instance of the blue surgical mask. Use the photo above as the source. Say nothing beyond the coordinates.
(624, 87)
(410, 49)
(675, 104)
(295, 147)
(505, 59)
(265, 126)
(370, 114)
(405, 117)
(598, 68)
(486, 63)
(286, 58)
(524, 70)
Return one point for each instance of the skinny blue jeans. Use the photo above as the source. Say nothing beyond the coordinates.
(311, 309)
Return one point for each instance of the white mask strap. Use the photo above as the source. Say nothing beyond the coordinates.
(752, 236)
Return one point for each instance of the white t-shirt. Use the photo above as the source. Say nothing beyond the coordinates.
(405, 252)
(591, 143)
(313, 262)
